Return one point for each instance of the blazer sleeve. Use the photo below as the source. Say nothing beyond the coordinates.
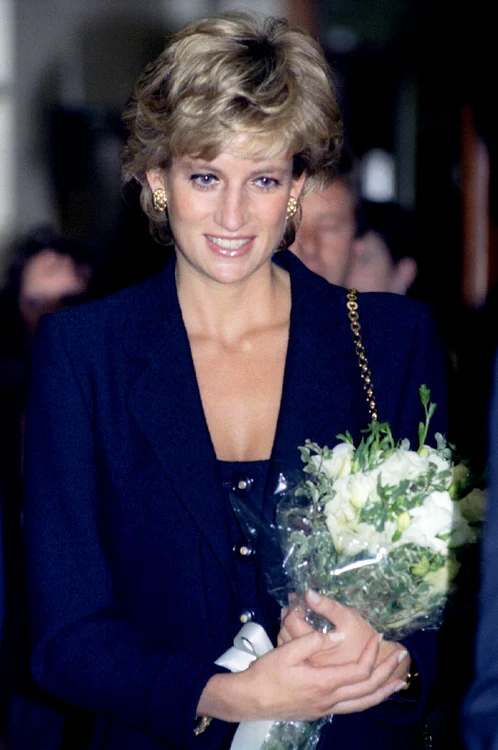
(86, 651)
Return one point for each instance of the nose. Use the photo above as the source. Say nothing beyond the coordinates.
(232, 209)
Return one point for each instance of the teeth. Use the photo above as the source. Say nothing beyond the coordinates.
(226, 244)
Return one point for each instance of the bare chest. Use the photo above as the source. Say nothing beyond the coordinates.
(241, 389)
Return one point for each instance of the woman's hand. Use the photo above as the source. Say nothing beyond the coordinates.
(288, 683)
(349, 638)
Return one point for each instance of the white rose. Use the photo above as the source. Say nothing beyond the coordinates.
(438, 516)
(402, 465)
(339, 464)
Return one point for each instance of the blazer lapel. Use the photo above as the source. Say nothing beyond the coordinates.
(165, 402)
(322, 393)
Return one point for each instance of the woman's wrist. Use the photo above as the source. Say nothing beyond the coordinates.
(227, 697)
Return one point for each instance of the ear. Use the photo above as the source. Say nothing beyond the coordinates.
(155, 179)
(404, 275)
(298, 185)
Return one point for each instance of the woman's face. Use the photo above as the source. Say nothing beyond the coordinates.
(227, 216)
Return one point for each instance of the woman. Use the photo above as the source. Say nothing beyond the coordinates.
(147, 405)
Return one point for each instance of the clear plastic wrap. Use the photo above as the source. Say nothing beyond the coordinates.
(378, 527)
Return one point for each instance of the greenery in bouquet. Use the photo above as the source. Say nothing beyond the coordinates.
(379, 526)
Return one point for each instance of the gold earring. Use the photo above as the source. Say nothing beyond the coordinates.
(159, 199)
(291, 208)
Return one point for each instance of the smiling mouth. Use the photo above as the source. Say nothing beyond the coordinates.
(228, 246)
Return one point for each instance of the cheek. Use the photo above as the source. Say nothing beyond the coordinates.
(272, 213)
(183, 212)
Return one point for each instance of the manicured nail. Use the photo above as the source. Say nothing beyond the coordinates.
(400, 686)
(336, 637)
(381, 638)
(314, 596)
(402, 655)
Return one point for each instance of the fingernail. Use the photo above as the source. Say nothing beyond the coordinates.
(400, 686)
(402, 655)
(314, 596)
(381, 637)
(336, 637)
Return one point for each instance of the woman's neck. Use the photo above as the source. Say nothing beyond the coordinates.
(229, 311)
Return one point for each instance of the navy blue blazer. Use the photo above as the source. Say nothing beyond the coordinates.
(131, 573)
(480, 715)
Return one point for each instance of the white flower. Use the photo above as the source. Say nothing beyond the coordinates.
(438, 516)
(353, 538)
(339, 463)
(340, 505)
(362, 487)
(402, 465)
(441, 463)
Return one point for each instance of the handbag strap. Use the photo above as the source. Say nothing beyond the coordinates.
(366, 375)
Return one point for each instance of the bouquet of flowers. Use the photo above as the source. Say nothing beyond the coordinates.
(377, 526)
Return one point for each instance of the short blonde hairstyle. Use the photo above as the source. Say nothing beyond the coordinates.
(229, 75)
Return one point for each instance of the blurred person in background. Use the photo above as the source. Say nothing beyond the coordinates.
(46, 273)
(328, 224)
(384, 251)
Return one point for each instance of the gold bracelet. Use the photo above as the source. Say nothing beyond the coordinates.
(204, 722)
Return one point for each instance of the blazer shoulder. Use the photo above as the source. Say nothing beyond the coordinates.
(108, 315)
(395, 317)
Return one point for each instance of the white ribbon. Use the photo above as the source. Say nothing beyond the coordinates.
(249, 644)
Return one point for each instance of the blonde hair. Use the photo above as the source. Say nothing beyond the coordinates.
(227, 76)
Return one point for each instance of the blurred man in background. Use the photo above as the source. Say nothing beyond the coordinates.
(328, 225)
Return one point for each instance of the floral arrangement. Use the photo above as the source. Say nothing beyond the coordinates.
(377, 526)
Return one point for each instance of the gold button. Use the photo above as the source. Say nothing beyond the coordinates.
(245, 551)
(246, 615)
(242, 485)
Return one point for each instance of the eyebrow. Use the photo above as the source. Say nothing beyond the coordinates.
(206, 166)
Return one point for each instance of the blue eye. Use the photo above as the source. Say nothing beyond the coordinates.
(266, 182)
(203, 180)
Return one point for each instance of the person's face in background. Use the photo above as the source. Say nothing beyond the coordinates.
(373, 270)
(325, 236)
(48, 279)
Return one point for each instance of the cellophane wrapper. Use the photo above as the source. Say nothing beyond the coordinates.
(378, 527)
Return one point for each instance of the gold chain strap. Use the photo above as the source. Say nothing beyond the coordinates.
(353, 315)
(352, 305)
